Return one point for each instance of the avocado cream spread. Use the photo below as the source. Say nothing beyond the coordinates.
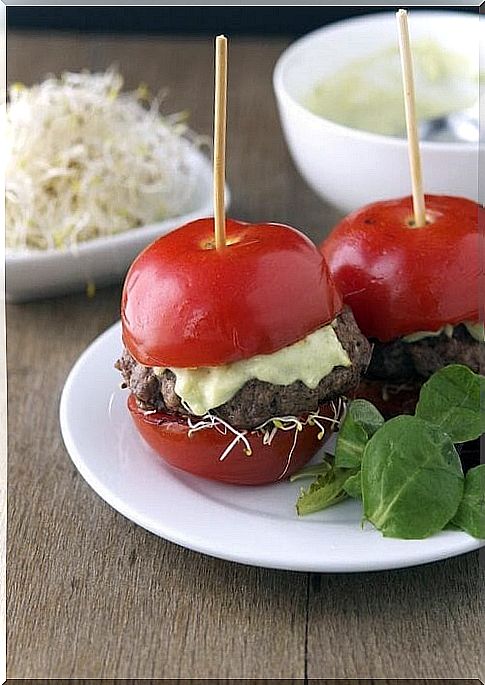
(476, 330)
(367, 93)
(308, 360)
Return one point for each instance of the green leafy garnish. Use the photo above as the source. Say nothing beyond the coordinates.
(471, 512)
(407, 470)
(353, 485)
(323, 492)
(411, 487)
(334, 482)
(360, 423)
(451, 399)
(312, 470)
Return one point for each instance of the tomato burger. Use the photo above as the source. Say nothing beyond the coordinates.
(236, 358)
(414, 291)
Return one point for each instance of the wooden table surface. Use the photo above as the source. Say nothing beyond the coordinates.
(91, 595)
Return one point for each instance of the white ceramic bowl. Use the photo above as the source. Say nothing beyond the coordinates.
(349, 167)
(34, 274)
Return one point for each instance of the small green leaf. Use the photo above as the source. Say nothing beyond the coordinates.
(313, 470)
(451, 399)
(353, 485)
(360, 423)
(471, 512)
(367, 415)
(412, 481)
(325, 491)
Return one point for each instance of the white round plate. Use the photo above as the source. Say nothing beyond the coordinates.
(250, 525)
(32, 274)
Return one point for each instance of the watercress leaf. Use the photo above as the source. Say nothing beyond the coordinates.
(323, 492)
(367, 415)
(353, 485)
(451, 399)
(312, 470)
(350, 444)
(471, 512)
(412, 481)
(451, 526)
(361, 421)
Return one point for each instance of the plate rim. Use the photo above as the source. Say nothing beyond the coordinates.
(212, 546)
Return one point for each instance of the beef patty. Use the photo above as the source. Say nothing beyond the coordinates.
(257, 401)
(398, 360)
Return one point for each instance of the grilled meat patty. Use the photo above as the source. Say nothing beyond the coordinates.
(257, 401)
(398, 360)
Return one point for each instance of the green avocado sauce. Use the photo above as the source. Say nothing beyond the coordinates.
(367, 93)
(308, 360)
(476, 330)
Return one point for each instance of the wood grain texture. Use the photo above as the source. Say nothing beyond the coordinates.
(421, 622)
(91, 595)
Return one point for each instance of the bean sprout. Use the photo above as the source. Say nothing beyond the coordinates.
(84, 160)
(267, 430)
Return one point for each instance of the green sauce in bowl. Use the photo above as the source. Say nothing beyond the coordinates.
(367, 93)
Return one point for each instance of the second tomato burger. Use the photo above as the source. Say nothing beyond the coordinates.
(414, 291)
(237, 358)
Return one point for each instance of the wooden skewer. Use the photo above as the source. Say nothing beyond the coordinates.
(411, 124)
(220, 115)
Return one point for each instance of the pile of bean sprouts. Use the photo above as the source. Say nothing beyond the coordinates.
(84, 160)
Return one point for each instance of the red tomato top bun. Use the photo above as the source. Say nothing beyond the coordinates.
(399, 279)
(186, 304)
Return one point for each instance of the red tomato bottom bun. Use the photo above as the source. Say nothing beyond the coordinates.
(391, 399)
(199, 452)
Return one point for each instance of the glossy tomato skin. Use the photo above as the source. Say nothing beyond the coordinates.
(186, 304)
(199, 454)
(399, 279)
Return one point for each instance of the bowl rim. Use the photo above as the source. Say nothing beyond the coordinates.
(283, 95)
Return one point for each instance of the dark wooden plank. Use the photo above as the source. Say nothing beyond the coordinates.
(422, 622)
